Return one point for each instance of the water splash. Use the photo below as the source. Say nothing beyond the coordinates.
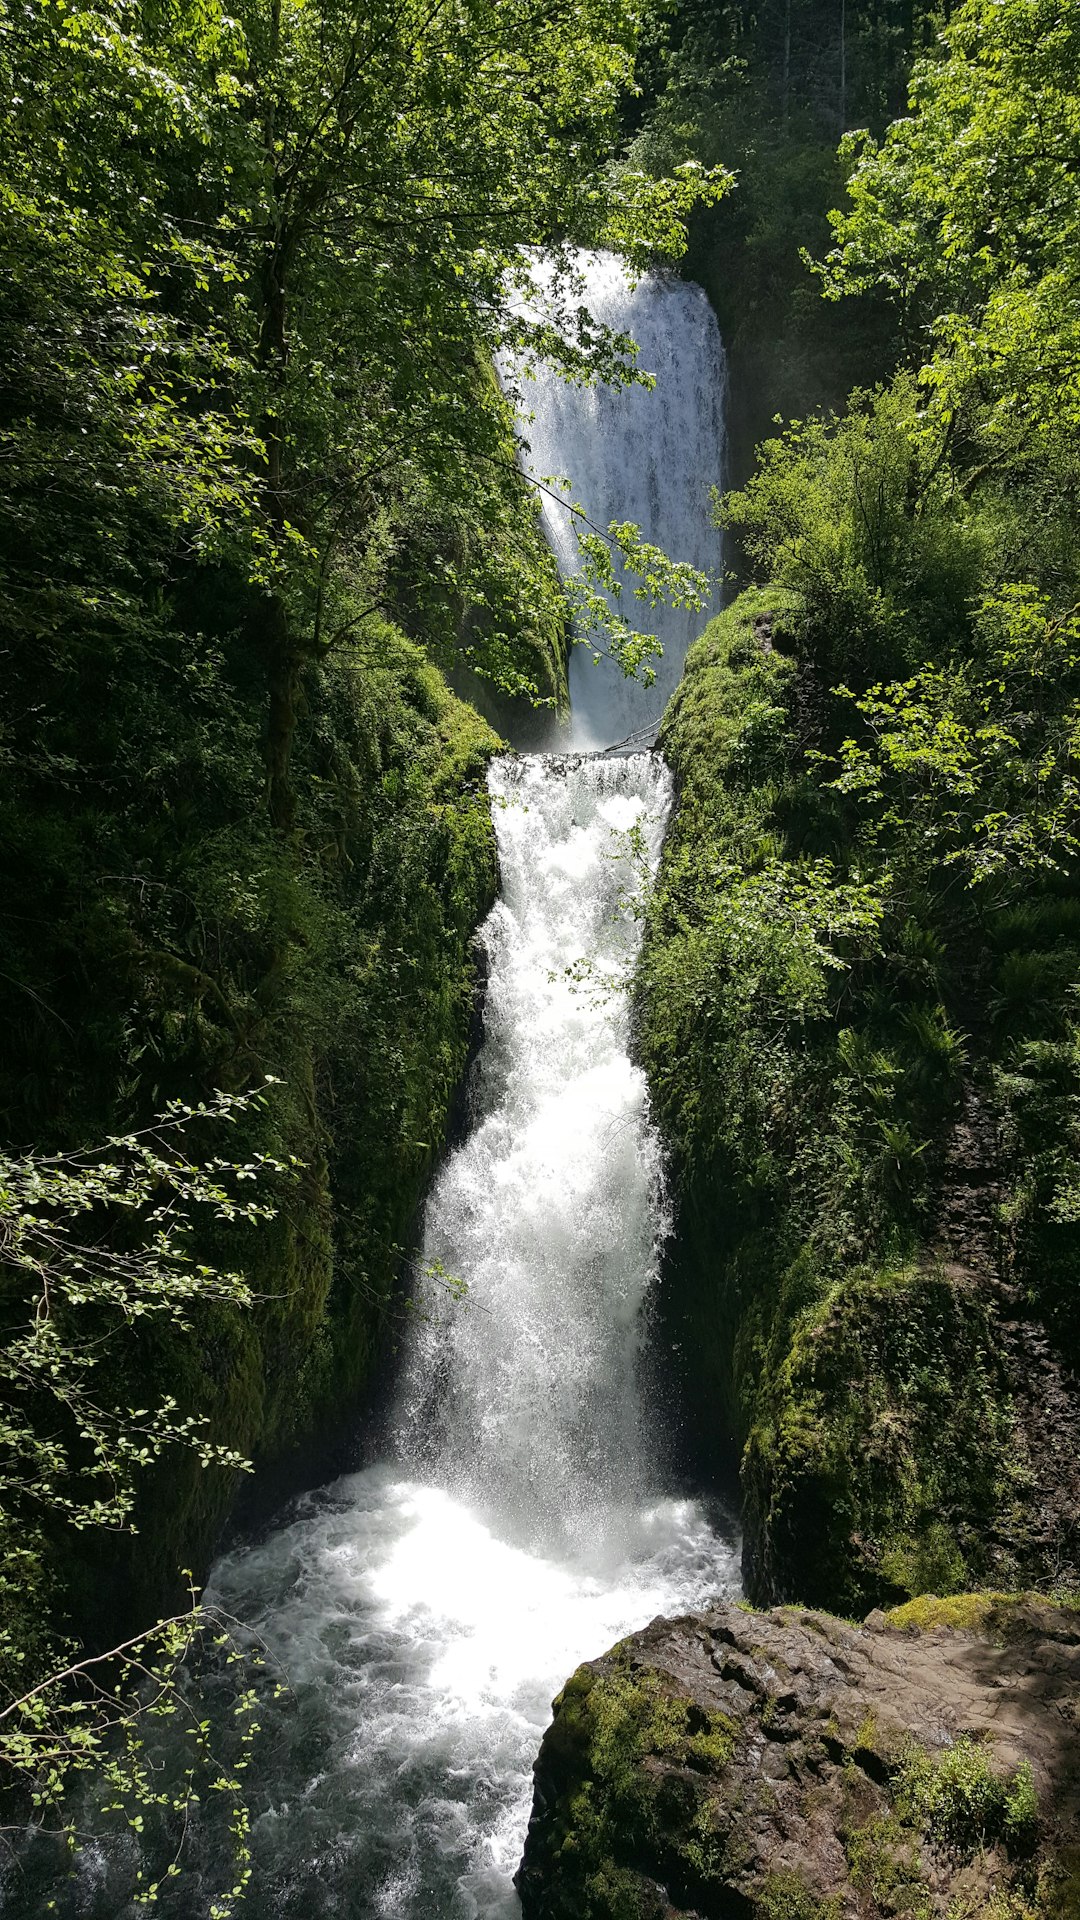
(427, 1609)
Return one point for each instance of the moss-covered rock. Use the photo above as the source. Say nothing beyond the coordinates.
(884, 1457)
(788, 1766)
(995, 1615)
(211, 952)
(854, 1203)
(369, 1034)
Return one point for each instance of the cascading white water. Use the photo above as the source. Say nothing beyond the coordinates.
(647, 455)
(426, 1609)
(551, 1210)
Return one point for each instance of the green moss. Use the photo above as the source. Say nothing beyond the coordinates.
(637, 1764)
(614, 1893)
(965, 1612)
(785, 1896)
(917, 1563)
(884, 1864)
(1058, 1895)
(839, 1038)
(342, 963)
(867, 1735)
(993, 1613)
(958, 1799)
(633, 1714)
(886, 1412)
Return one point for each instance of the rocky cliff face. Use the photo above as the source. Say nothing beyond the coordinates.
(788, 1766)
(869, 1295)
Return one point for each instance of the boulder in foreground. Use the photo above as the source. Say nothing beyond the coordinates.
(785, 1765)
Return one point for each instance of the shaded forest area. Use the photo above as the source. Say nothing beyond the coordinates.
(770, 91)
(258, 499)
(859, 996)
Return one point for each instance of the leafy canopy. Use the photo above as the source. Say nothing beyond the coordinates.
(968, 213)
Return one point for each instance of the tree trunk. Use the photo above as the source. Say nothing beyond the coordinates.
(276, 638)
(785, 89)
(274, 635)
(283, 680)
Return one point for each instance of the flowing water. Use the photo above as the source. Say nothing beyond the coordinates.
(647, 455)
(427, 1608)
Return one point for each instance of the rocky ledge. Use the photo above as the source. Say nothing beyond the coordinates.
(737, 1765)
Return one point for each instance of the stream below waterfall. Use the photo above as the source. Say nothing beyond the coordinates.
(426, 1609)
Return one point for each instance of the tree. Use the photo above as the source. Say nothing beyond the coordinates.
(260, 267)
(862, 518)
(968, 213)
(973, 766)
(93, 1245)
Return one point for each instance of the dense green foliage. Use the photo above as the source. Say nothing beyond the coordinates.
(259, 501)
(351, 981)
(105, 1240)
(258, 497)
(859, 1006)
(861, 1034)
(803, 1048)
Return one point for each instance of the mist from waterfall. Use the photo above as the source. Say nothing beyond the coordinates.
(651, 456)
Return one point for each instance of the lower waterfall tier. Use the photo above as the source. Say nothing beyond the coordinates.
(423, 1612)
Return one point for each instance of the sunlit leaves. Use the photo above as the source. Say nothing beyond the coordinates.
(126, 1726)
(93, 1243)
(968, 213)
(977, 766)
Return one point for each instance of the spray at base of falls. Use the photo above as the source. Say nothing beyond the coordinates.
(427, 1609)
(651, 456)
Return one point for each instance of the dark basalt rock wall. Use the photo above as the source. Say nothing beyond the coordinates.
(786, 1765)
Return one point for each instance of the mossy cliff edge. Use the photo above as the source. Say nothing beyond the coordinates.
(189, 946)
(789, 1766)
(866, 1295)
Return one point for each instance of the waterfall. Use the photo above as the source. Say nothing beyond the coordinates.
(427, 1608)
(647, 455)
(526, 1400)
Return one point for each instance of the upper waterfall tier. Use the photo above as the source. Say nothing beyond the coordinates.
(640, 454)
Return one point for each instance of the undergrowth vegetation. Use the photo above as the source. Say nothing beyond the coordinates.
(859, 1001)
(184, 944)
(856, 994)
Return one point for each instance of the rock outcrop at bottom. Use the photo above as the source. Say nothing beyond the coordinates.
(737, 1765)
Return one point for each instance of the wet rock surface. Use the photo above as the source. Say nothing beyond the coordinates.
(788, 1765)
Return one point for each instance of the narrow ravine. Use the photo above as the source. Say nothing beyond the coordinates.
(523, 1517)
(427, 1609)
